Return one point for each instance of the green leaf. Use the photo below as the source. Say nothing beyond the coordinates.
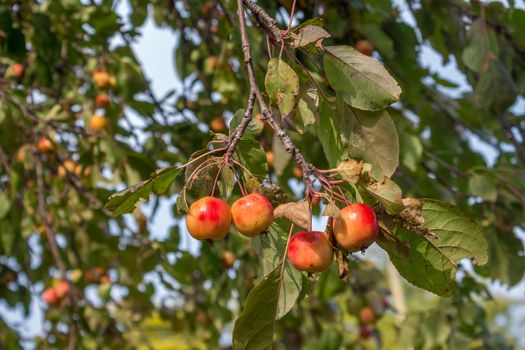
(227, 181)
(200, 174)
(5, 205)
(282, 86)
(495, 90)
(255, 127)
(372, 137)
(270, 249)
(380, 40)
(393, 245)
(281, 158)
(484, 186)
(433, 260)
(124, 201)
(307, 109)
(411, 150)
(506, 259)
(482, 48)
(252, 156)
(328, 131)
(255, 326)
(362, 81)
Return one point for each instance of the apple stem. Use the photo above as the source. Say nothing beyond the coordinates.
(239, 182)
(223, 163)
(285, 33)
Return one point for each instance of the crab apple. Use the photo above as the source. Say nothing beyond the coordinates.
(93, 275)
(62, 288)
(365, 332)
(41, 230)
(211, 64)
(112, 83)
(105, 280)
(45, 146)
(228, 259)
(209, 218)
(50, 296)
(367, 315)
(102, 101)
(68, 166)
(297, 172)
(270, 158)
(365, 47)
(86, 171)
(356, 229)
(97, 122)
(385, 303)
(207, 9)
(316, 201)
(252, 214)
(310, 251)
(17, 70)
(218, 124)
(101, 78)
(21, 153)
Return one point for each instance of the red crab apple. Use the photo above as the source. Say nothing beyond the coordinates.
(102, 101)
(310, 251)
(62, 288)
(209, 218)
(252, 214)
(50, 296)
(367, 315)
(45, 146)
(364, 332)
(357, 227)
(365, 47)
(17, 70)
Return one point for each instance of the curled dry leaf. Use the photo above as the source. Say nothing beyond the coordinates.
(412, 211)
(296, 212)
(308, 35)
(343, 266)
(350, 170)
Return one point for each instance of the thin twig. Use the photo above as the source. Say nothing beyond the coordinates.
(267, 23)
(45, 219)
(307, 168)
(241, 128)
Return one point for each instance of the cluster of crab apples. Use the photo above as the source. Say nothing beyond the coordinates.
(210, 218)
(103, 81)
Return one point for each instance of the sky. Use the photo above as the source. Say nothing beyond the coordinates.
(155, 50)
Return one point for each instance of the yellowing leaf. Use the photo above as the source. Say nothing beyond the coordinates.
(282, 86)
